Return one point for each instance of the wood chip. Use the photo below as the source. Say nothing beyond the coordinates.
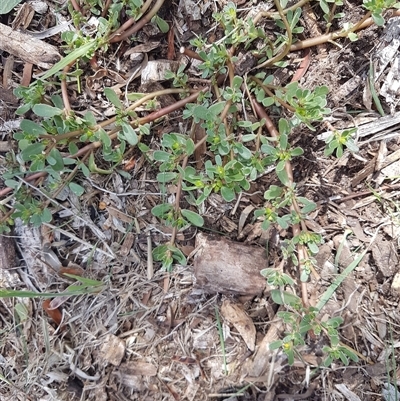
(385, 256)
(227, 267)
(113, 349)
(7, 252)
(235, 315)
(350, 396)
(131, 374)
(28, 49)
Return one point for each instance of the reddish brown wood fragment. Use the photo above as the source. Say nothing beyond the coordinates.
(76, 271)
(171, 45)
(54, 314)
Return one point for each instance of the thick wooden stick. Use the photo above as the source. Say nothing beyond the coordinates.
(27, 48)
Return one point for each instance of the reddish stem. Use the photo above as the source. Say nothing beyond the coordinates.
(76, 6)
(190, 53)
(140, 24)
(64, 88)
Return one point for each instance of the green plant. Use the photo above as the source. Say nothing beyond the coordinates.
(180, 79)
(82, 286)
(337, 140)
(377, 7)
(300, 321)
(330, 12)
(58, 145)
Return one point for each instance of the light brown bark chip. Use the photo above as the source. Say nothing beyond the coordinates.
(235, 315)
(227, 267)
(28, 49)
(113, 349)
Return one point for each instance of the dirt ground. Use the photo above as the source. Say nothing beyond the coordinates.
(158, 337)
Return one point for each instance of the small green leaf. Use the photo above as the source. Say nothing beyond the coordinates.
(12, 183)
(85, 170)
(93, 167)
(189, 147)
(268, 101)
(55, 160)
(285, 298)
(57, 101)
(37, 165)
(46, 216)
(283, 177)
(353, 37)
(244, 124)
(228, 194)
(290, 355)
(296, 152)
(275, 345)
(90, 118)
(161, 156)
(68, 161)
(129, 134)
(160, 252)
(244, 152)
(161, 210)
(32, 128)
(22, 312)
(216, 109)
(7, 5)
(378, 19)
(193, 217)
(166, 177)
(162, 25)
(248, 137)
(143, 147)
(104, 138)
(32, 150)
(46, 111)
(237, 82)
(86, 282)
(77, 189)
(313, 247)
(74, 55)
(200, 112)
(72, 148)
(310, 207)
(284, 128)
(273, 192)
(334, 322)
(113, 98)
(24, 108)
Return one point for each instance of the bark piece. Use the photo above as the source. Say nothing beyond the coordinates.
(132, 374)
(113, 349)
(235, 315)
(385, 256)
(7, 252)
(227, 267)
(27, 48)
(260, 363)
(155, 70)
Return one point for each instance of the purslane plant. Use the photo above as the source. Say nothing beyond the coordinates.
(58, 144)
